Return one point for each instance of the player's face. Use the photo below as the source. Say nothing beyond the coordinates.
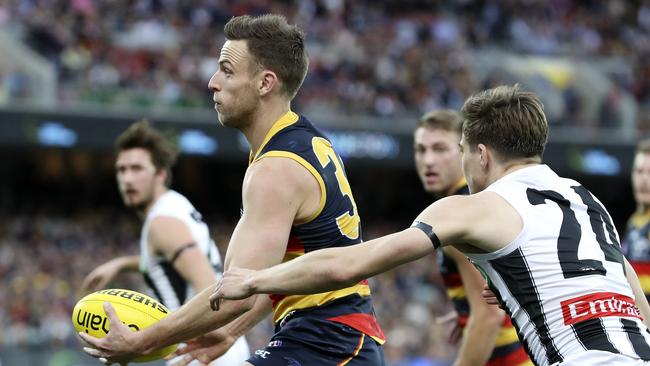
(137, 177)
(437, 159)
(472, 169)
(641, 179)
(233, 86)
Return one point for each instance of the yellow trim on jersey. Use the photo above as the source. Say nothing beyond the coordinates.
(462, 182)
(644, 281)
(356, 351)
(456, 293)
(507, 335)
(640, 219)
(296, 302)
(287, 119)
(312, 170)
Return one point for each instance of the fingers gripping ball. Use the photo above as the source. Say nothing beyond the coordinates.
(134, 309)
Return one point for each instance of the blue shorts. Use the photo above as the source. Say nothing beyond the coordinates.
(309, 341)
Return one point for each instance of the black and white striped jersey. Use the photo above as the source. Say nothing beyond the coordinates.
(563, 279)
(166, 283)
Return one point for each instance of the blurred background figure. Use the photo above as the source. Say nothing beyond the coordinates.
(636, 242)
(178, 258)
(485, 332)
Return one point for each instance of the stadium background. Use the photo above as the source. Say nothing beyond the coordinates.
(74, 74)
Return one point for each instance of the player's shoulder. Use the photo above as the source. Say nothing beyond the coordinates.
(275, 174)
(171, 202)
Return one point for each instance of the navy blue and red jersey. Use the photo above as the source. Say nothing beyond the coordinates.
(336, 223)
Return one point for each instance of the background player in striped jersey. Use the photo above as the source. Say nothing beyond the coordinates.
(488, 336)
(295, 199)
(177, 255)
(547, 245)
(636, 241)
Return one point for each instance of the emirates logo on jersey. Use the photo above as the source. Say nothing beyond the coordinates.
(598, 305)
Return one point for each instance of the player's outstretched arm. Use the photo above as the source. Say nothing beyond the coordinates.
(477, 219)
(273, 191)
(102, 275)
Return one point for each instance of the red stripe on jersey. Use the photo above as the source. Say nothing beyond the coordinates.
(641, 268)
(462, 320)
(276, 299)
(514, 358)
(364, 323)
(598, 305)
(295, 245)
(452, 279)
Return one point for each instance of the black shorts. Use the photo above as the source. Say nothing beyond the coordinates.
(309, 341)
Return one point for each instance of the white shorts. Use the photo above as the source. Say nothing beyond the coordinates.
(236, 355)
(602, 358)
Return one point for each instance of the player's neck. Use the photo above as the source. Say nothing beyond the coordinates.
(642, 208)
(263, 120)
(510, 167)
(159, 191)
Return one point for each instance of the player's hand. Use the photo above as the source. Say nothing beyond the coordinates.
(100, 276)
(234, 285)
(490, 297)
(119, 344)
(204, 349)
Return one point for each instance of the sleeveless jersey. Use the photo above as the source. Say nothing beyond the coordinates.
(507, 349)
(636, 246)
(167, 284)
(336, 223)
(562, 280)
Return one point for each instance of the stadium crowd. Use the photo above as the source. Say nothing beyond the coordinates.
(44, 258)
(389, 58)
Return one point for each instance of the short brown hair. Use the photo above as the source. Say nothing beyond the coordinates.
(142, 135)
(275, 45)
(643, 147)
(508, 119)
(442, 119)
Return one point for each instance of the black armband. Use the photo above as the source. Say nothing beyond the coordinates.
(427, 229)
(180, 250)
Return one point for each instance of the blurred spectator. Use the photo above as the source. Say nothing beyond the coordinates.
(386, 59)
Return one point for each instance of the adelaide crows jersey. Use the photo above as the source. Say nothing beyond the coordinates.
(336, 223)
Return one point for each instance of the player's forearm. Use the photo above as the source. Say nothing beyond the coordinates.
(128, 263)
(314, 273)
(478, 340)
(248, 320)
(191, 320)
(336, 268)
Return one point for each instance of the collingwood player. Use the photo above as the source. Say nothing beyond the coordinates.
(177, 255)
(546, 244)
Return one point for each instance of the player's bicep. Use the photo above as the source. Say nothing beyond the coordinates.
(447, 218)
(271, 196)
(484, 219)
(169, 236)
(173, 239)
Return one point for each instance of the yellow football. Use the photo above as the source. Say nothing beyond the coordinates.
(134, 309)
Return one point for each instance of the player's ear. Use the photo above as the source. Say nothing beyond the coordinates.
(268, 81)
(485, 155)
(162, 175)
